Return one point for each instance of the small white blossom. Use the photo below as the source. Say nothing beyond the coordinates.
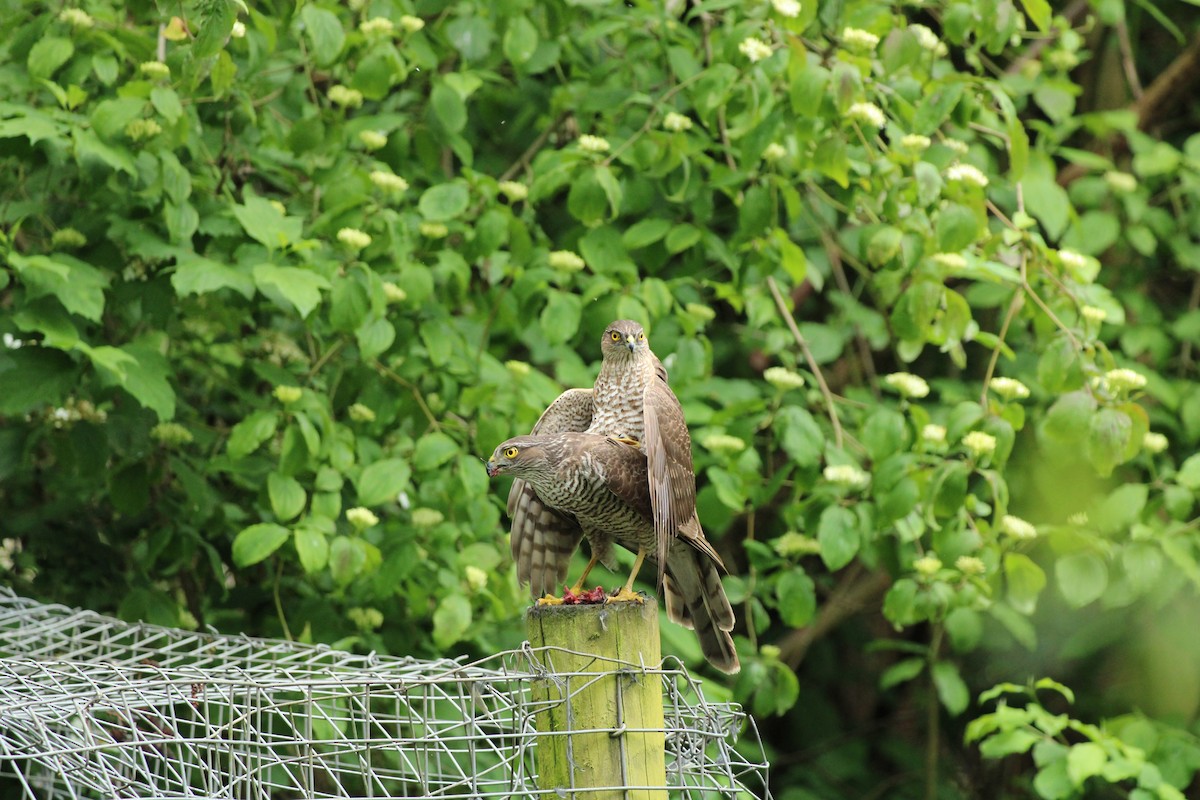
(970, 565)
(593, 144)
(154, 69)
(361, 518)
(354, 238)
(774, 151)
(1017, 528)
(345, 96)
(411, 24)
(360, 412)
(68, 238)
(388, 182)
(377, 26)
(915, 142)
(566, 261)
(926, 37)
(1009, 388)
(796, 544)
(927, 565)
(755, 49)
(403, 500)
(1078, 519)
(519, 369)
(867, 114)
(476, 578)
(372, 140)
(141, 129)
(676, 122)
(723, 443)
(1093, 314)
(783, 378)
(288, 394)
(949, 260)
(12, 342)
(967, 173)
(846, 475)
(1082, 268)
(858, 39)
(934, 434)
(1124, 380)
(433, 230)
(427, 517)
(515, 191)
(239, 30)
(76, 18)
(1154, 443)
(393, 293)
(958, 147)
(1121, 182)
(786, 8)
(979, 443)
(907, 385)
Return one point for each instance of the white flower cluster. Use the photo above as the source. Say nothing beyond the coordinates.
(933, 433)
(1154, 443)
(755, 49)
(867, 114)
(786, 8)
(927, 565)
(774, 151)
(345, 96)
(1123, 380)
(388, 181)
(515, 191)
(783, 378)
(566, 261)
(593, 144)
(676, 122)
(846, 475)
(361, 518)
(354, 238)
(723, 443)
(1017, 528)
(372, 140)
(979, 443)
(377, 26)
(967, 173)
(1009, 388)
(907, 385)
(858, 39)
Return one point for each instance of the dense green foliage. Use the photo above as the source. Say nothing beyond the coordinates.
(274, 278)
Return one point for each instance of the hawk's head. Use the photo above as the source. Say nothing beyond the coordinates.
(520, 457)
(624, 339)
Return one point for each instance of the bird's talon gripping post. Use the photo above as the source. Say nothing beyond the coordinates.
(549, 600)
(626, 595)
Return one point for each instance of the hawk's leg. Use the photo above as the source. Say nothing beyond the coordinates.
(578, 587)
(629, 440)
(627, 593)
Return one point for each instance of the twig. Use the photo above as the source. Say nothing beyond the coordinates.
(808, 356)
(1135, 84)
(1013, 307)
(853, 592)
(536, 145)
(667, 95)
(933, 720)
(287, 633)
(839, 277)
(416, 393)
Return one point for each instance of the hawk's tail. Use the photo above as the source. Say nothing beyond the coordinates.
(695, 599)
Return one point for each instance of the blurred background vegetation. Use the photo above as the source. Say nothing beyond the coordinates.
(277, 275)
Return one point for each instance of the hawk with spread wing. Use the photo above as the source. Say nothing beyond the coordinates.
(601, 487)
(630, 401)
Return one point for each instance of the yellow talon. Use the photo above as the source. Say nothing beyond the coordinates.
(549, 600)
(629, 440)
(626, 596)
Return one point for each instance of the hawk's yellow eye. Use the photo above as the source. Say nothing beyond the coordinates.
(616, 337)
(642, 337)
(510, 452)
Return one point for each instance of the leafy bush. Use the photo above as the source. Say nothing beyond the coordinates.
(275, 278)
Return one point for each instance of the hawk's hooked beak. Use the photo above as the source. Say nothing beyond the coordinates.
(492, 469)
(630, 342)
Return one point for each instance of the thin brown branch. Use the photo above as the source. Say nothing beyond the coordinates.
(854, 592)
(524, 160)
(1127, 61)
(808, 357)
(1017, 301)
(416, 393)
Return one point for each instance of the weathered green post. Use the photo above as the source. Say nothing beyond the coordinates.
(600, 723)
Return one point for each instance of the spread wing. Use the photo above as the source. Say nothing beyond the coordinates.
(672, 479)
(543, 540)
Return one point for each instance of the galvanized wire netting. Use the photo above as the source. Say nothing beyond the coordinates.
(94, 707)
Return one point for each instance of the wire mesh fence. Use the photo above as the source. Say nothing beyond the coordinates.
(91, 706)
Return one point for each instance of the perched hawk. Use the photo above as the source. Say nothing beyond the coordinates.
(599, 487)
(631, 400)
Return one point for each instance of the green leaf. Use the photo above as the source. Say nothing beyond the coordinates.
(215, 27)
(472, 36)
(1085, 760)
(256, 542)
(147, 377)
(682, 237)
(901, 672)
(797, 597)
(1082, 577)
(1189, 473)
(800, 435)
(645, 232)
(166, 102)
(587, 200)
(451, 620)
(935, 108)
(267, 224)
(433, 450)
(445, 201)
(324, 32)
(251, 432)
(347, 558)
(374, 337)
(884, 245)
(287, 496)
(77, 285)
(1007, 743)
(1039, 13)
(449, 108)
(50, 53)
(838, 535)
(196, 275)
(791, 256)
(957, 228)
(382, 481)
(1121, 509)
(33, 377)
(312, 546)
(1070, 418)
(1025, 582)
(1108, 438)
(291, 287)
(884, 433)
(560, 317)
(520, 40)
(951, 688)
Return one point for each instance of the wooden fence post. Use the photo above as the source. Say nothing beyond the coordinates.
(600, 727)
